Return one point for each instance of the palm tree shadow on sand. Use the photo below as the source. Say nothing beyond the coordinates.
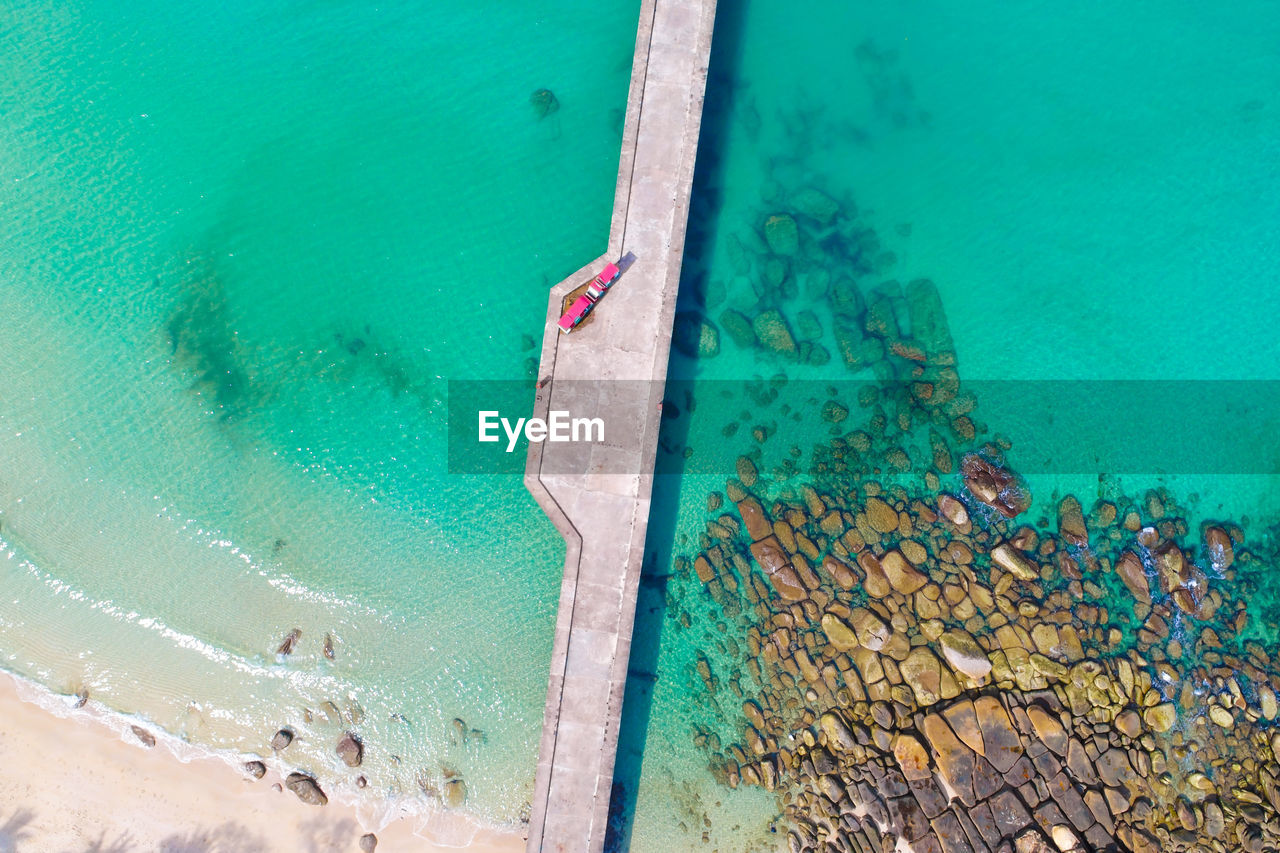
(123, 844)
(14, 830)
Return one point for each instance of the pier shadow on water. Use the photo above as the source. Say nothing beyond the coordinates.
(651, 605)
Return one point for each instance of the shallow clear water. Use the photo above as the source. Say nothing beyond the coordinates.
(1092, 191)
(244, 249)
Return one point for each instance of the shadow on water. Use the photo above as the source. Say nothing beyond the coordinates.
(651, 603)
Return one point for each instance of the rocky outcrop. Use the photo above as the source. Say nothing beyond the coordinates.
(948, 681)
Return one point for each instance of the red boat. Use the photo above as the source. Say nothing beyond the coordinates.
(582, 306)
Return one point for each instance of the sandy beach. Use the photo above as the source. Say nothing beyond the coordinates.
(84, 783)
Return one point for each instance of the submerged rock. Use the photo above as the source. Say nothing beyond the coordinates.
(782, 235)
(544, 102)
(738, 327)
(695, 337)
(815, 204)
(455, 793)
(774, 334)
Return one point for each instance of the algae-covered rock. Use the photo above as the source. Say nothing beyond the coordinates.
(782, 235)
(964, 654)
(833, 412)
(738, 327)
(544, 102)
(839, 634)
(774, 334)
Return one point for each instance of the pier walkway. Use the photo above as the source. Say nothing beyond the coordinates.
(603, 513)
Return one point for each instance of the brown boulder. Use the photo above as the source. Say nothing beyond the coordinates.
(839, 571)
(912, 757)
(954, 511)
(876, 582)
(306, 789)
(902, 576)
(963, 719)
(964, 654)
(1003, 745)
(758, 524)
(1014, 562)
(1221, 552)
(1048, 728)
(927, 678)
(871, 632)
(145, 737)
(1172, 568)
(782, 575)
(994, 485)
(350, 749)
(1130, 569)
(839, 634)
(1071, 522)
(955, 760)
(882, 517)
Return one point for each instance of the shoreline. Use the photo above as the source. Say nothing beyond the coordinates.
(78, 778)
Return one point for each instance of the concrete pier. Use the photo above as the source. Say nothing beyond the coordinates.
(603, 514)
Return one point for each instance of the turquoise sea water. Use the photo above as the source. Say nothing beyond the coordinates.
(243, 247)
(1092, 189)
